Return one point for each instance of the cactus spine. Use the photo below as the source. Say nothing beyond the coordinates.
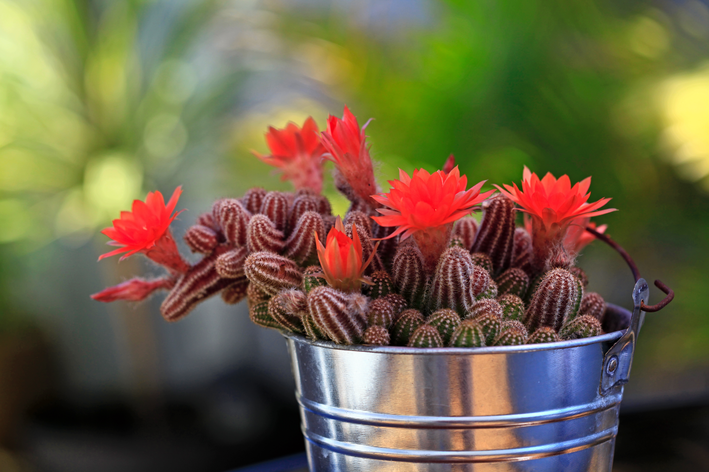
(479, 282)
(465, 230)
(287, 308)
(487, 305)
(271, 272)
(545, 334)
(482, 260)
(381, 313)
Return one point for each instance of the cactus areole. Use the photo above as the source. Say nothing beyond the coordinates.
(408, 267)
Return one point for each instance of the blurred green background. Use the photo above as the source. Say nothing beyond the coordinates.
(102, 101)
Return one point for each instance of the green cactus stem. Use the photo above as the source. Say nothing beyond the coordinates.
(545, 334)
(311, 329)
(377, 336)
(408, 322)
(491, 325)
(581, 275)
(456, 242)
(584, 326)
(513, 281)
(382, 285)
(312, 277)
(397, 302)
(255, 295)
(259, 315)
(341, 316)
(490, 293)
(301, 245)
(452, 274)
(262, 235)
(553, 300)
(408, 274)
(275, 207)
(482, 260)
(514, 325)
(512, 307)
(511, 338)
(465, 230)
(445, 321)
(380, 313)
(488, 305)
(271, 272)
(287, 308)
(468, 334)
(577, 301)
(496, 234)
(426, 336)
(201, 239)
(479, 282)
(593, 304)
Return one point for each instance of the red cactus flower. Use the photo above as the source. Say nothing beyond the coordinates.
(297, 152)
(341, 258)
(553, 204)
(578, 238)
(426, 206)
(133, 290)
(346, 146)
(146, 229)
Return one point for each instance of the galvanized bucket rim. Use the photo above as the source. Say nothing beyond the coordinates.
(436, 351)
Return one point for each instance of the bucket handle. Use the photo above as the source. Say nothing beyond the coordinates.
(619, 358)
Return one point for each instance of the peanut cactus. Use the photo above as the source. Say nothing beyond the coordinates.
(341, 316)
(408, 322)
(465, 230)
(583, 326)
(397, 302)
(490, 293)
(445, 321)
(479, 282)
(380, 313)
(201, 239)
(450, 282)
(287, 308)
(275, 207)
(522, 253)
(312, 277)
(425, 336)
(482, 260)
(376, 335)
(234, 293)
(513, 281)
(512, 307)
(409, 276)
(488, 305)
(382, 285)
(581, 275)
(301, 244)
(253, 199)
(262, 235)
(490, 324)
(593, 304)
(259, 315)
(496, 234)
(510, 338)
(553, 300)
(468, 334)
(271, 272)
(545, 334)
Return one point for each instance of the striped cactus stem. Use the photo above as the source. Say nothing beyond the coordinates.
(207, 219)
(468, 334)
(387, 247)
(287, 308)
(301, 244)
(409, 276)
(577, 301)
(368, 247)
(382, 285)
(594, 305)
(545, 334)
(324, 207)
(533, 286)
(271, 272)
(512, 307)
(408, 322)
(465, 230)
(445, 321)
(584, 326)
(301, 204)
(311, 329)
(479, 281)
(425, 336)
(275, 207)
(513, 281)
(312, 277)
(255, 295)
(361, 220)
(253, 199)
(377, 336)
(262, 235)
(235, 292)
(397, 302)
(233, 219)
(259, 315)
(230, 264)
(200, 282)
(490, 324)
(496, 234)
(201, 239)
(339, 315)
(482, 260)
(553, 300)
(490, 293)
(522, 253)
(511, 338)
(581, 275)
(449, 288)
(514, 325)
(380, 313)
(487, 305)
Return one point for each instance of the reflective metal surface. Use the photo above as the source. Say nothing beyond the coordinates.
(514, 408)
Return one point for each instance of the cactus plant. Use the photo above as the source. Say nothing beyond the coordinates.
(275, 207)
(377, 336)
(408, 322)
(381, 284)
(272, 273)
(583, 326)
(445, 321)
(339, 315)
(593, 304)
(408, 274)
(259, 315)
(425, 336)
(262, 235)
(449, 288)
(512, 307)
(545, 334)
(491, 325)
(522, 252)
(553, 300)
(253, 199)
(490, 293)
(482, 260)
(488, 305)
(380, 313)
(511, 337)
(201, 239)
(465, 230)
(287, 308)
(496, 234)
(581, 275)
(513, 281)
(312, 277)
(479, 282)
(397, 302)
(468, 334)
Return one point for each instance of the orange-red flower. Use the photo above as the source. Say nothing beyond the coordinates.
(346, 146)
(146, 229)
(341, 258)
(425, 201)
(297, 152)
(554, 203)
(577, 237)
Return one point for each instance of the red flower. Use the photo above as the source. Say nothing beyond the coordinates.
(577, 237)
(298, 153)
(346, 146)
(146, 229)
(341, 258)
(426, 206)
(554, 203)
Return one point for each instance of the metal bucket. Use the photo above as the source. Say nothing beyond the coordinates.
(543, 407)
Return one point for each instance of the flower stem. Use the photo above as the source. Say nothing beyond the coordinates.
(166, 254)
